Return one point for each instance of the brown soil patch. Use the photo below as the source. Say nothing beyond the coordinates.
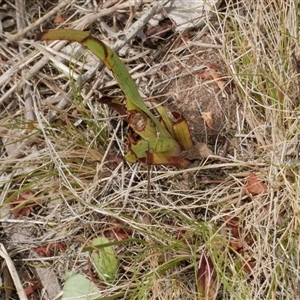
(192, 95)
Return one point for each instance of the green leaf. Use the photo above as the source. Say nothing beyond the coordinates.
(160, 159)
(111, 60)
(162, 140)
(78, 287)
(165, 146)
(104, 260)
(182, 132)
(114, 243)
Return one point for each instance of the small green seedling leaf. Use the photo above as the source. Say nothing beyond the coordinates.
(104, 260)
(78, 287)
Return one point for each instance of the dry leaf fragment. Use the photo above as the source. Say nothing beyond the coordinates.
(233, 224)
(119, 234)
(48, 281)
(22, 204)
(249, 266)
(49, 250)
(155, 34)
(30, 289)
(59, 19)
(118, 230)
(206, 278)
(42, 251)
(200, 150)
(236, 243)
(210, 73)
(254, 185)
(238, 246)
(207, 117)
(207, 71)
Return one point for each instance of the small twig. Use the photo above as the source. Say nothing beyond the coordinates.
(130, 34)
(236, 196)
(13, 273)
(107, 4)
(205, 45)
(18, 151)
(16, 36)
(129, 186)
(20, 9)
(20, 15)
(93, 17)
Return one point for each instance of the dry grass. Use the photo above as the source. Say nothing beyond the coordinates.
(60, 151)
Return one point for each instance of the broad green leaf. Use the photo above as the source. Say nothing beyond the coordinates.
(141, 124)
(148, 152)
(165, 119)
(111, 60)
(159, 159)
(137, 120)
(182, 132)
(177, 126)
(165, 146)
(78, 287)
(104, 260)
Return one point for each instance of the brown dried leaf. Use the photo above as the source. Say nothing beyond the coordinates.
(200, 150)
(249, 241)
(210, 73)
(185, 38)
(49, 250)
(207, 117)
(233, 224)
(22, 204)
(59, 19)
(254, 185)
(205, 74)
(249, 266)
(206, 278)
(237, 245)
(118, 230)
(32, 287)
(155, 34)
(42, 251)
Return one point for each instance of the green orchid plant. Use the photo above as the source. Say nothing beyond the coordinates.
(161, 139)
